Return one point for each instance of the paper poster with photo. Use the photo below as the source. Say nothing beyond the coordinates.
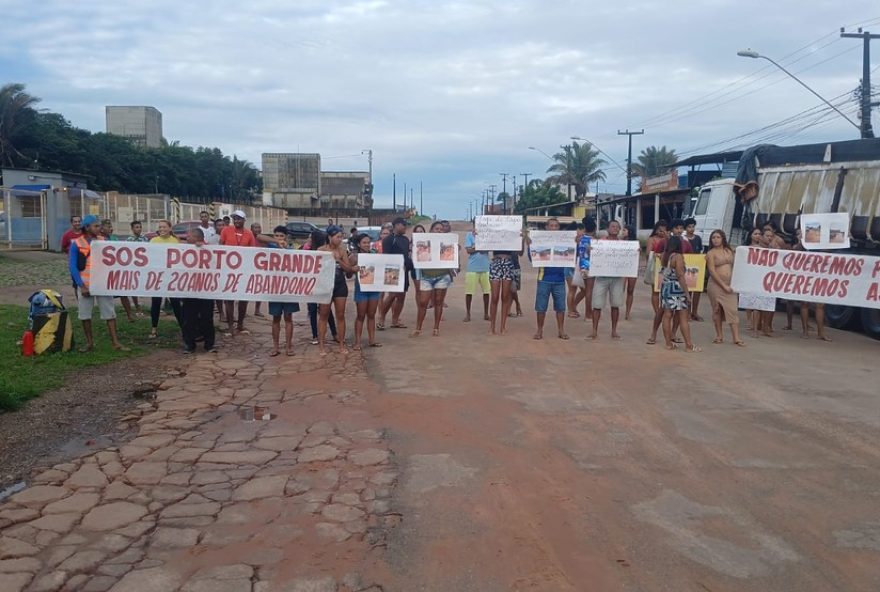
(695, 272)
(381, 273)
(825, 231)
(614, 258)
(750, 301)
(553, 248)
(431, 250)
(498, 233)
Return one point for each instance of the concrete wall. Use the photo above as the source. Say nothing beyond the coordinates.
(141, 124)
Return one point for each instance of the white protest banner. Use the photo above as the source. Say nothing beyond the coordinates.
(832, 278)
(212, 271)
(749, 301)
(381, 273)
(614, 258)
(434, 250)
(553, 248)
(825, 231)
(498, 233)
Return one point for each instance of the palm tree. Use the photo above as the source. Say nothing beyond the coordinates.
(578, 165)
(653, 161)
(14, 103)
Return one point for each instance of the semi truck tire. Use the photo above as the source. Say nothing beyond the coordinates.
(839, 317)
(871, 322)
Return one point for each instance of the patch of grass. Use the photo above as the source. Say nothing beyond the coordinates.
(24, 378)
(34, 269)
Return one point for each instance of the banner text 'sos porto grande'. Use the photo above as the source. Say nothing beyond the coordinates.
(212, 272)
(832, 278)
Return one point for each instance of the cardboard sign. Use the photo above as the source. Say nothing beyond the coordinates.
(749, 301)
(553, 248)
(848, 280)
(498, 233)
(695, 272)
(825, 231)
(614, 258)
(214, 272)
(381, 273)
(435, 250)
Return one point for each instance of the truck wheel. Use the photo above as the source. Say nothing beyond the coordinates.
(838, 317)
(871, 322)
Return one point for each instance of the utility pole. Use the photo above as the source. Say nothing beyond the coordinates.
(866, 37)
(394, 193)
(629, 158)
(404, 195)
(513, 204)
(421, 199)
(492, 189)
(525, 176)
(504, 190)
(412, 202)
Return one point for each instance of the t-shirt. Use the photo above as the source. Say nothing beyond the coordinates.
(170, 239)
(67, 238)
(237, 238)
(210, 232)
(398, 244)
(696, 242)
(478, 261)
(138, 239)
(551, 274)
(660, 246)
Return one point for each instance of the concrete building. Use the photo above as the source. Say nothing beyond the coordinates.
(344, 189)
(143, 125)
(291, 180)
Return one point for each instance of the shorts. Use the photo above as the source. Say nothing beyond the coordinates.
(517, 279)
(569, 273)
(474, 278)
(545, 291)
(340, 287)
(105, 305)
(360, 296)
(429, 283)
(501, 269)
(608, 286)
(276, 309)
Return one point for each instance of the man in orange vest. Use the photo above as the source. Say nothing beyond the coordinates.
(80, 264)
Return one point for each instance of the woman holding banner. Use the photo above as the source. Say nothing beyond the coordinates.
(674, 294)
(502, 272)
(165, 236)
(434, 283)
(336, 246)
(719, 265)
(367, 302)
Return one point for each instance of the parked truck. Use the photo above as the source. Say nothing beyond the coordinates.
(794, 180)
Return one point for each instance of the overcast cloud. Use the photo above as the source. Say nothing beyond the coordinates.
(448, 93)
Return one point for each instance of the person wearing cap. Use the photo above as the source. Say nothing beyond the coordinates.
(80, 267)
(396, 244)
(236, 235)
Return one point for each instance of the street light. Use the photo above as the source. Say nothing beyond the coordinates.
(605, 154)
(750, 53)
(541, 151)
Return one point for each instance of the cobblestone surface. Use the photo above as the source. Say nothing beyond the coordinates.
(204, 500)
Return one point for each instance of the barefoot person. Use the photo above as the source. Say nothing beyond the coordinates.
(657, 235)
(501, 278)
(197, 314)
(608, 290)
(137, 236)
(719, 266)
(336, 246)
(819, 308)
(477, 275)
(367, 303)
(317, 239)
(434, 283)
(396, 244)
(629, 233)
(163, 236)
(551, 283)
(674, 294)
(576, 287)
(106, 233)
(237, 236)
(416, 274)
(277, 310)
(696, 242)
(80, 267)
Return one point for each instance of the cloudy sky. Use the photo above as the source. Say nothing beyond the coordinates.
(447, 93)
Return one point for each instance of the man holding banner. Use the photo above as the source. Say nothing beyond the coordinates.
(607, 289)
(551, 282)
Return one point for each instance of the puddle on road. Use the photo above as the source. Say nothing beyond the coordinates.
(12, 490)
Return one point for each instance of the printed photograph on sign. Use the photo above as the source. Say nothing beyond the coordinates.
(380, 273)
(825, 231)
(695, 272)
(498, 233)
(434, 250)
(552, 248)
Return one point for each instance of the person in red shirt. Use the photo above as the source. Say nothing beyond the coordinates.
(72, 234)
(236, 235)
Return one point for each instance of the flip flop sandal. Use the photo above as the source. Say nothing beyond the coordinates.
(375, 345)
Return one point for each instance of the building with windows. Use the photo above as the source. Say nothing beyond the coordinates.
(142, 125)
(296, 181)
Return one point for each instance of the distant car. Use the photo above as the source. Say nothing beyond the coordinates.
(373, 231)
(179, 230)
(301, 230)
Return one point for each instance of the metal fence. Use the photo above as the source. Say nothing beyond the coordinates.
(23, 219)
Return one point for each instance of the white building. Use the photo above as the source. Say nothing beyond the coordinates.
(143, 125)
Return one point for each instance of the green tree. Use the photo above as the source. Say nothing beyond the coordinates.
(578, 166)
(15, 107)
(653, 161)
(539, 193)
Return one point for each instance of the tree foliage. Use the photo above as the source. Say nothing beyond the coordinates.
(653, 161)
(539, 193)
(577, 165)
(46, 141)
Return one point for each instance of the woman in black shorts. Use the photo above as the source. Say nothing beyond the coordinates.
(502, 273)
(340, 289)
